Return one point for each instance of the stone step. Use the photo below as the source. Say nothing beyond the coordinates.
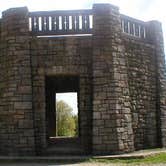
(65, 146)
(64, 150)
(65, 143)
(53, 141)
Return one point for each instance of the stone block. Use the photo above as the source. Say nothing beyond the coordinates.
(23, 105)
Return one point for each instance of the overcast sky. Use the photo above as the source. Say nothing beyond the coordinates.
(70, 99)
(145, 10)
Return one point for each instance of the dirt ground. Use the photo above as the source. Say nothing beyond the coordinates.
(79, 164)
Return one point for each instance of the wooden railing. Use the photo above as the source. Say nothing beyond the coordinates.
(78, 22)
(61, 22)
(133, 27)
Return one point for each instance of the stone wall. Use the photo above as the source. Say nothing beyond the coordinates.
(17, 130)
(112, 129)
(122, 87)
(156, 37)
(62, 57)
(140, 59)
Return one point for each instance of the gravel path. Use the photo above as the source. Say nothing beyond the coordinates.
(80, 164)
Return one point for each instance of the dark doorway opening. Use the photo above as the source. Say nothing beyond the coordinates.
(59, 143)
(56, 87)
(79, 143)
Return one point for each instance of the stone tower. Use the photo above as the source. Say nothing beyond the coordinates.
(115, 63)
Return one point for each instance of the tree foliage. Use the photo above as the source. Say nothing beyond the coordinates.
(66, 122)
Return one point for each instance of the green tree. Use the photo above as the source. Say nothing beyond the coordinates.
(75, 117)
(65, 120)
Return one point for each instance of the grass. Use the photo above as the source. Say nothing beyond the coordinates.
(157, 159)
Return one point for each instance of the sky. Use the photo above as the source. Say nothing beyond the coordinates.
(145, 10)
(70, 99)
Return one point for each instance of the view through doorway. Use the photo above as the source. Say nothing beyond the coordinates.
(66, 114)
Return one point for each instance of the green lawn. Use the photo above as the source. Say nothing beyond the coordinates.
(159, 158)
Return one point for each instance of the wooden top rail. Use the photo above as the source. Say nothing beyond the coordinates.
(77, 22)
(61, 22)
(133, 27)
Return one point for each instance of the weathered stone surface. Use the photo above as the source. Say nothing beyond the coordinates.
(16, 87)
(122, 85)
(22, 105)
(110, 58)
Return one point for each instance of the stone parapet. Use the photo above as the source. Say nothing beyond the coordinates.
(17, 131)
(115, 64)
(111, 100)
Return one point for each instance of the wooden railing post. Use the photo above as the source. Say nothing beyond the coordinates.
(58, 22)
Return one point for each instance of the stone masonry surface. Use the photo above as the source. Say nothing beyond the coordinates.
(121, 87)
